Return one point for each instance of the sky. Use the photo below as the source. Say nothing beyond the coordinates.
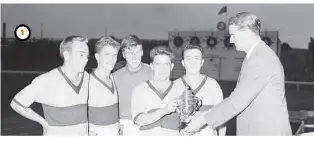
(153, 21)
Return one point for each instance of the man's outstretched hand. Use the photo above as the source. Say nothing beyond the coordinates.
(196, 123)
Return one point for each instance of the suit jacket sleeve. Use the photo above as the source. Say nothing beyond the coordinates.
(257, 76)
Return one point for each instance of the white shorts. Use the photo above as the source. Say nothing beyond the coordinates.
(73, 130)
(105, 131)
(128, 128)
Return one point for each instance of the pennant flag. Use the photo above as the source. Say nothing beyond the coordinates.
(223, 10)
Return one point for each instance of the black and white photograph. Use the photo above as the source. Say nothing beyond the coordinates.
(193, 69)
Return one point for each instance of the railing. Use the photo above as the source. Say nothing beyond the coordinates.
(298, 83)
(22, 72)
(301, 117)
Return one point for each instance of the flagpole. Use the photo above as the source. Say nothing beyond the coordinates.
(226, 15)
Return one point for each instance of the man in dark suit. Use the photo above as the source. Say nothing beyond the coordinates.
(258, 100)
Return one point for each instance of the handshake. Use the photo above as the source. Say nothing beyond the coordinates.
(196, 124)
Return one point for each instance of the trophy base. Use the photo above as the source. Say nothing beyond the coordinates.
(183, 125)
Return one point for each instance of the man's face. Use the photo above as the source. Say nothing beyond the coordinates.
(192, 60)
(162, 67)
(240, 38)
(77, 57)
(107, 57)
(133, 56)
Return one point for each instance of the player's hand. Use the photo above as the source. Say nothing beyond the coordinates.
(171, 107)
(196, 114)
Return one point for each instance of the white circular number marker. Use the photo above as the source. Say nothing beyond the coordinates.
(22, 32)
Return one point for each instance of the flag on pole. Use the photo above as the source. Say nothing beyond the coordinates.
(223, 10)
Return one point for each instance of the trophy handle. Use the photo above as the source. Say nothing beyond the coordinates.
(179, 101)
(198, 104)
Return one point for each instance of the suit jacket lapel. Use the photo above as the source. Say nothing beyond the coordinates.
(246, 60)
(243, 65)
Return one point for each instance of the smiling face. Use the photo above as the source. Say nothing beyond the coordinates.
(161, 62)
(192, 60)
(162, 67)
(107, 57)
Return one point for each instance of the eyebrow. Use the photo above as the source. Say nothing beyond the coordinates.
(82, 52)
(162, 63)
(193, 56)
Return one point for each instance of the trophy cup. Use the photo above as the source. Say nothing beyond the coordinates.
(188, 105)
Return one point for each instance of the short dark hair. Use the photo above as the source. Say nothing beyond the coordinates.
(190, 46)
(106, 41)
(246, 20)
(66, 44)
(161, 50)
(130, 41)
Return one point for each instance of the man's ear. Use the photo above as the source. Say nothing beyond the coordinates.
(142, 52)
(172, 66)
(123, 54)
(66, 55)
(202, 62)
(97, 57)
(182, 62)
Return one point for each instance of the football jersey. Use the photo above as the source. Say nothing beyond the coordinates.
(126, 81)
(146, 98)
(210, 93)
(103, 107)
(63, 103)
